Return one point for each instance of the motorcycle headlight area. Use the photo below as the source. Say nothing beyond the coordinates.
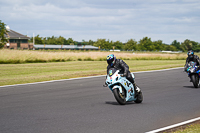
(113, 78)
(192, 70)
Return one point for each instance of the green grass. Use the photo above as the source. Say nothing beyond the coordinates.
(194, 128)
(35, 72)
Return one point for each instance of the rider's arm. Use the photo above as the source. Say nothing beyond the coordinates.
(125, 67)
(187, 60)
(108, 67)
(197, 58)
(185, 67)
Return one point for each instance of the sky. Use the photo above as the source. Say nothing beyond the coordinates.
(113, 20)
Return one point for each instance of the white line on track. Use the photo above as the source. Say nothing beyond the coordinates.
(175, 125)
(159, 70)
(82, 78)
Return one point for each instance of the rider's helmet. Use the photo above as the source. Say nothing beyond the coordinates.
(111, 59)
(190, 54)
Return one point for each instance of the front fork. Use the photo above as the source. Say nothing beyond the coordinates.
(118, 86)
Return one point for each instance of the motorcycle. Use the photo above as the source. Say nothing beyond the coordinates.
(193, 73)
(122, 88)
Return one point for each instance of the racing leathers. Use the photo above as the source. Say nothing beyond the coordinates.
(124, 69)
(194, 59)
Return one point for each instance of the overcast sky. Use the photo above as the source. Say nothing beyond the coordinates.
(116, 20)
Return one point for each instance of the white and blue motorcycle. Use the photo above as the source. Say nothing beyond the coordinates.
(122, 88)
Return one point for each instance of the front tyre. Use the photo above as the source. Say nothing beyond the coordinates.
(121, 99)
(195, 80)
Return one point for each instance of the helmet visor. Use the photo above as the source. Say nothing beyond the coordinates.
(110, 62)
(190, 56)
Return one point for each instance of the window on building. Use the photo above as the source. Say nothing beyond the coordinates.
(12, 41)
(24, 41)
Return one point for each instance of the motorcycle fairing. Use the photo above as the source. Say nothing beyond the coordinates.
(116, 81)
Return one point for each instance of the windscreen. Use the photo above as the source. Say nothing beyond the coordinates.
(111, 71)
(191, 64)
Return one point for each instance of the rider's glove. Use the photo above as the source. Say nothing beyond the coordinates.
(198, 67)
(185, 68)
(105, 85)
(125, 74)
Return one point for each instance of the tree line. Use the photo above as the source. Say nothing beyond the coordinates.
(145, 44)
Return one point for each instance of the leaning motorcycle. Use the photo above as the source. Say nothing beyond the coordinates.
(122, 88)
(193, 73)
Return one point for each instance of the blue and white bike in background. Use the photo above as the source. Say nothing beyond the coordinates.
(193, 73)
(122, 88)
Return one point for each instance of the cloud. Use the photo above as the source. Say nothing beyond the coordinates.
(165, 20)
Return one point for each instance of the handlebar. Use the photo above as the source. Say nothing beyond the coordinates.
(105, 85)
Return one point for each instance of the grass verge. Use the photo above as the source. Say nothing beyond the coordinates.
(25, 56)
(35, 72)
(190, 128)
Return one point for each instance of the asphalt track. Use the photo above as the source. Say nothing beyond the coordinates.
(84, 106)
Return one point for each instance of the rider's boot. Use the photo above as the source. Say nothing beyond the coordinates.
(190, 79)
(136, 89)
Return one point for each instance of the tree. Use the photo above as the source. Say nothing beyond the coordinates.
(91, 42)
(158, 45)
(103, 44)
(195, 46)
(176, 45)
(3, 31)
(118, 45)
(38, 40)
(146, 44)
(186, 45)
(170, 48)
(131, 45)
(69, 41)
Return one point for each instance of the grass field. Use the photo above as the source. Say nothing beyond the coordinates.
(35, 72)
(27, 56)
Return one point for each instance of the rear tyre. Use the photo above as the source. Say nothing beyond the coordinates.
(139, 98)
(195, 80)
(121, 99)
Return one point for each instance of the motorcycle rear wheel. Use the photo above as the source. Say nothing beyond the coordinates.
(195, 80)
(121, 99)
(139, 98)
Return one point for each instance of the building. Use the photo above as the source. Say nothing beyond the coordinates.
(65, 47)
(17, 40)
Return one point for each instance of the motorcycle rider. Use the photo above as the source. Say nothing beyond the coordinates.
(191, 57)
(123, 67)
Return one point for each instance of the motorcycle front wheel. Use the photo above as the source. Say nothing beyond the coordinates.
(195, 80)
(121, 99)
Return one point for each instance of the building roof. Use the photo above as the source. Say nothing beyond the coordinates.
(64, 47)
(15, 35)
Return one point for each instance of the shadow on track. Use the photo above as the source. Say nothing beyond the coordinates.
(190, 87)
(116, 103)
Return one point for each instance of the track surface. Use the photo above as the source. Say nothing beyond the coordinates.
(84, 106)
